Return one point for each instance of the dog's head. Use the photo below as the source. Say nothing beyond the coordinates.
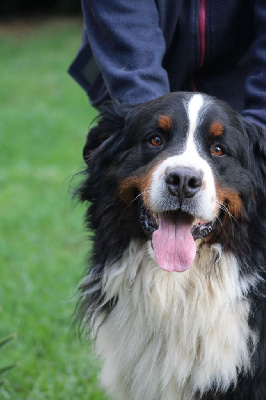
(179, 170)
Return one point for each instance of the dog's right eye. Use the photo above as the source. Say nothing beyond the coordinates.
(156, 141)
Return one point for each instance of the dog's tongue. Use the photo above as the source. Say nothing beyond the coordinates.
(173, 243)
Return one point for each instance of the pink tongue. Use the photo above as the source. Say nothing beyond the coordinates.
(174, 246)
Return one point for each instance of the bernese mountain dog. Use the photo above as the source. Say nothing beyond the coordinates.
(175, 293)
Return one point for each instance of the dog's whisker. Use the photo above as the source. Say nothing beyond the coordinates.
(219, 220)
(139, 195)
(224, 208)
(136, 198)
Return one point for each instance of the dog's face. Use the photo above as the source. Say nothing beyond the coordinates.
(183, 163)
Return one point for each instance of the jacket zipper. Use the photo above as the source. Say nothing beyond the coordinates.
(202, 31)
(202, 38)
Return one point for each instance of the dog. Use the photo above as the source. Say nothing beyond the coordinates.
(175, 293)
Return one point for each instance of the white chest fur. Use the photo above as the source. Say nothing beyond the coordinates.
(173, 334)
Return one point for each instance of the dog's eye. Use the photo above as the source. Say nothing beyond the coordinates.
(156, 141)
(217, 150)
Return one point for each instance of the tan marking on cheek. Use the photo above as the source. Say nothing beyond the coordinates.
(142, 184)
(216, 129)
(131, 184)
(232, 200)
(165, 122)
(127, 188)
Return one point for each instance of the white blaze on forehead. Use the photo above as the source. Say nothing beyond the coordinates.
(193, 108)
(190, 156)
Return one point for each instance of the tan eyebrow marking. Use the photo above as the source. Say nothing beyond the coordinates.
(165, 122)
(216, 129)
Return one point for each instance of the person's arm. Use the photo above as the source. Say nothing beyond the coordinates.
(128, 46)
(255, 102)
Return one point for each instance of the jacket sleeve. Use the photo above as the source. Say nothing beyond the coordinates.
(255, 101)
(128, 47)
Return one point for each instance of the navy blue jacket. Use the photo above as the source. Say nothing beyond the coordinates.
(140, 49)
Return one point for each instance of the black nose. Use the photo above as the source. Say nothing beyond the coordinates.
(183, 182)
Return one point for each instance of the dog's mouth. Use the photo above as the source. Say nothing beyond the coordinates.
(173, 235)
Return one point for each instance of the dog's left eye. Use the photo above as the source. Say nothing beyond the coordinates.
(156, 141)
(217, 150)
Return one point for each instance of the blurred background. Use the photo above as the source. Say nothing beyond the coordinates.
(44, 118)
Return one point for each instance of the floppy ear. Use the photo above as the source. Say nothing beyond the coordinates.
(103, 147)
(107, 136)
(260, 146)
(257, 159)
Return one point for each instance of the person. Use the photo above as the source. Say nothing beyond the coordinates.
(137, 50)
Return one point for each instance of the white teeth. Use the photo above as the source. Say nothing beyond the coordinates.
(195, 221)
(156, 218)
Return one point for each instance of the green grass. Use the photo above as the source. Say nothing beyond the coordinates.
(44, 117)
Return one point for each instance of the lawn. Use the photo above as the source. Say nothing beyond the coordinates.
(44, 117)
